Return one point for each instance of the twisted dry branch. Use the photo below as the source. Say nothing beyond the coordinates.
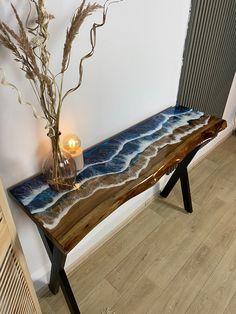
(93, 37)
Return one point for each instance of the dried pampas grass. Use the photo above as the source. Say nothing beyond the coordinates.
(29, 47)
(80, 15)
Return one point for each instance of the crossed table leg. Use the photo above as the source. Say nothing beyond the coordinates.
(181, 173)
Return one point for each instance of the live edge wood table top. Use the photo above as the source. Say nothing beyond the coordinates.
(114, 171)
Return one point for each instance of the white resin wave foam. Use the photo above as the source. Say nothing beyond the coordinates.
(185, 117)
(135, 176)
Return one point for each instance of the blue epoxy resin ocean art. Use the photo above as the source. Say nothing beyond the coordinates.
(112, 162)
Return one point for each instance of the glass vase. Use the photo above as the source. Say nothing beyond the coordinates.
(59, 168)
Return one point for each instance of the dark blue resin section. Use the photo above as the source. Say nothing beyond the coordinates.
(113, 155)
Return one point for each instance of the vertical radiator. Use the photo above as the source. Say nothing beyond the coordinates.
(209, 60)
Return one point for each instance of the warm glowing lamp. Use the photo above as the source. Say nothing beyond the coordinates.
(72, 144)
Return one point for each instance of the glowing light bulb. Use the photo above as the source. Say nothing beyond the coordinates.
(71, 143)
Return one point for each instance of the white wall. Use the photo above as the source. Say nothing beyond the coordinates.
(230, 109)
(133, 74)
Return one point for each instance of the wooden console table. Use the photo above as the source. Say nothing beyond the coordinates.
(115, 170)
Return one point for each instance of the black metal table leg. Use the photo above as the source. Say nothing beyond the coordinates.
(186, 191)
(58, 277)
(181, 173)
(68, 293)
(58, 263)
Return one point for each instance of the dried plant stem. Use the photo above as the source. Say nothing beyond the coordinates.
(35, 90)
(56, 158)
(93, 37)
(29, 46)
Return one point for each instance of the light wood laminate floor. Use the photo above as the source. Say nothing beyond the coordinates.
(164, 260)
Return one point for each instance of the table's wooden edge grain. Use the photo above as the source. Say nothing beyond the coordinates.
(209, 134)
(213, 128)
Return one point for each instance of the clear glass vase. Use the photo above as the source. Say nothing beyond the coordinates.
(59, 168)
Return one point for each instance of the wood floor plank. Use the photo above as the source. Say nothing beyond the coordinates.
(216, 184)
(102, 298)
(89, 274)
(231, 307)
(182, 290)
(228, 170)
(99, 300)
(130, 269)
(219, 288)
(53, 304)
(139, 299)
(219, 153)
(201, 172)
(197, 227)
(167, 248)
